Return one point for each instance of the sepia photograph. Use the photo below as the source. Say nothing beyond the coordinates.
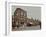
(26, 18)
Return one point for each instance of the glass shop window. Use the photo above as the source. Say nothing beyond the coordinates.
(22, 22)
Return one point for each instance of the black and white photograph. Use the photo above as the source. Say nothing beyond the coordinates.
(26, 18)
(22, 18)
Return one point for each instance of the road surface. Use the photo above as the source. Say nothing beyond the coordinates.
(27, 28)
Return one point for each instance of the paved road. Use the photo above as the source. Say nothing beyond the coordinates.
(27, 28)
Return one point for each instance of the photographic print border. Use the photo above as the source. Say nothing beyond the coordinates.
(7, 13)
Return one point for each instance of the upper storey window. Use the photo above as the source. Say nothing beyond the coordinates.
(22, 13)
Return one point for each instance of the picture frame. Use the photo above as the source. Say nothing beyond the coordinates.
(8, 14)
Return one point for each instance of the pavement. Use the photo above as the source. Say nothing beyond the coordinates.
(27, 28)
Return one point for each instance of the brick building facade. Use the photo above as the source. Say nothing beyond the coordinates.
(20, 17)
